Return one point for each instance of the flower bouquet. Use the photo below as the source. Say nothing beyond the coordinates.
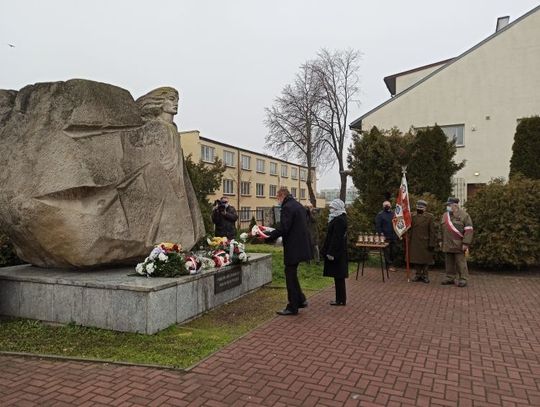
(165, 260)
(261, 231)
(225, 251)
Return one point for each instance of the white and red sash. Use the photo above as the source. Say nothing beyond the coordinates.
(451, 226)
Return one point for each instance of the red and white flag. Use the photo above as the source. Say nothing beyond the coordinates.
(402, 213)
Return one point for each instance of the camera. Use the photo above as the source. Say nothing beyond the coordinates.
(220, 204)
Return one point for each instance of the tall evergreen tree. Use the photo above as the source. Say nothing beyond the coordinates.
(431, 163)
(375, 167)
(526, 149)
(206, 178)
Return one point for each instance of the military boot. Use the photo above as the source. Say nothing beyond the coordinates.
(448, 281)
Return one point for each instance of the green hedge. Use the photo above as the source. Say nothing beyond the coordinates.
(506, 223)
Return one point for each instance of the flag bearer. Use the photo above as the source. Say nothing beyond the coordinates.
(422, 240)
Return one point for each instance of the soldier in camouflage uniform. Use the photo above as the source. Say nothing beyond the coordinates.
(456, 233)
(422, 240)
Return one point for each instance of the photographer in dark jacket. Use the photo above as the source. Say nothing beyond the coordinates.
(297, 247)
(224, 217)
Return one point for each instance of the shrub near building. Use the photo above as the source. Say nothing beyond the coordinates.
(506, 223)
(526, 149)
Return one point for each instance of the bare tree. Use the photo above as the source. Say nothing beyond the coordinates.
(292, 129)
(336, 74)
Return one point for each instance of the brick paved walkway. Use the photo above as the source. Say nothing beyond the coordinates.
(394, 344)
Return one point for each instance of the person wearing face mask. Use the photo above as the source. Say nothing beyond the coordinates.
(422, 241)
(334, 250)
(455, 237)
(297, 247)
(224, 217)
(383, 224)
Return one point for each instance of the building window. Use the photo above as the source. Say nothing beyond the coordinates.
(246, 162)
(302, 174)
(245, 212)
(455, 133)
(273, 191)
(207, 154)
(228, 158)
(294, 173)
(260, 165)
(302, 193)
(283, 170)
(259, 189)
(273, 169)
(244, 187)
(259, 214)
(293, 192)
(228, 187)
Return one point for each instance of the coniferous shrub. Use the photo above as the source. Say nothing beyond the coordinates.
(526, 149)
(506, 224)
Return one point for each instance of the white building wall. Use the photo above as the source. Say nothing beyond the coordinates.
(487, 90)
(407, 80)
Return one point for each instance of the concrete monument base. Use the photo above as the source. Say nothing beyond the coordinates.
(112, 299)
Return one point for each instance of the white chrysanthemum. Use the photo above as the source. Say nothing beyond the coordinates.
(242, 256)
(244, 236)
(140, 269)
(163, 257)
(150, 268)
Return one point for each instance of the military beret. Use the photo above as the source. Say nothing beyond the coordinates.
(421, 204)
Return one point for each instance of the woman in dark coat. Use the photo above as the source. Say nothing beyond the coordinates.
(334, 250)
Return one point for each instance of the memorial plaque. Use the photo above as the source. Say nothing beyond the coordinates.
(227, 279)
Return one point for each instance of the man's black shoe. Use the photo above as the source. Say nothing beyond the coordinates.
(425, 280)
(286, 311)
(336, 303)
(416, 279)
(303, 305)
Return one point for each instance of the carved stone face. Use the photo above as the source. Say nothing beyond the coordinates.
(170, 104)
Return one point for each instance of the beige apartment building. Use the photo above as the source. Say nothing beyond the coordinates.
(477, 98)
(251, 180)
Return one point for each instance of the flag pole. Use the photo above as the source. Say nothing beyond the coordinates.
(408, 270)
(407, 257)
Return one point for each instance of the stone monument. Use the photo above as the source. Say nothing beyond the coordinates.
(89, 177)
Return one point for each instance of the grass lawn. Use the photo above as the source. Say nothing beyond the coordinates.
(177, 346)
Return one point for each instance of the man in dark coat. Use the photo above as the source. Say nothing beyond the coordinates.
(383, 224)
(224, 217)
(422, 239)
(335, 250)
(297, 247)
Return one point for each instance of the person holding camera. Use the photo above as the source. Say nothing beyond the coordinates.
(224, 217)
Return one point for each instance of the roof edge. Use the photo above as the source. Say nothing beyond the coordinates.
(357, 124)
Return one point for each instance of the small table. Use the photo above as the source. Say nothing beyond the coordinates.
(372, 247)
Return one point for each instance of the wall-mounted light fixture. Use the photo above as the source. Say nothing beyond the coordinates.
(476, 174)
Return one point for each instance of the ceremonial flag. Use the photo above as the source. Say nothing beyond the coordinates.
(402, 213)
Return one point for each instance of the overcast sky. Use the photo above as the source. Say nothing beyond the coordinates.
(230, 59)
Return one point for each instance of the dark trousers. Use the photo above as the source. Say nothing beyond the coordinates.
(295, 296)
(390, 253)
(341, 291)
